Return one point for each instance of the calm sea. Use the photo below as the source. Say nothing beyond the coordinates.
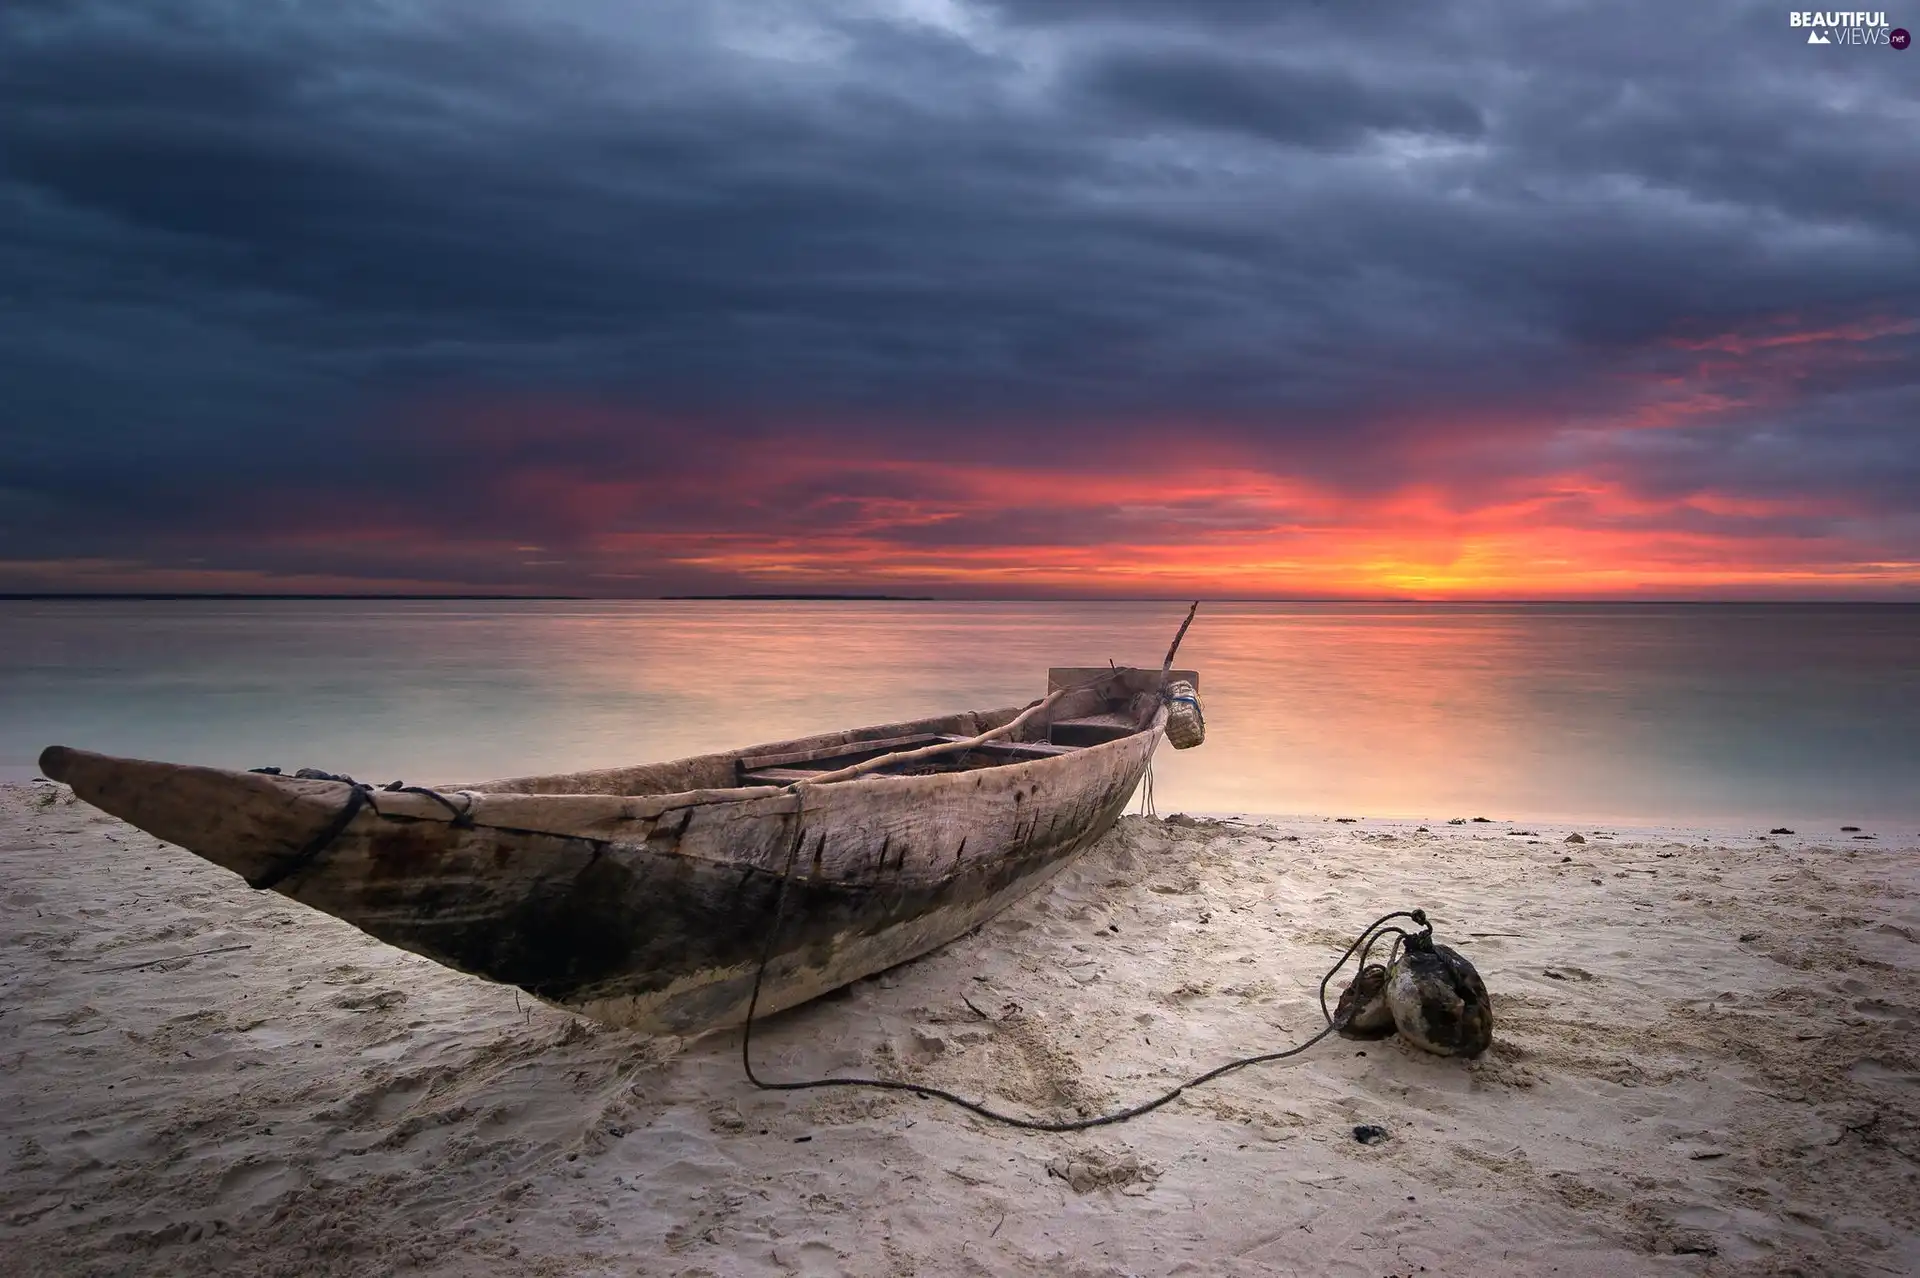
(1753, 715)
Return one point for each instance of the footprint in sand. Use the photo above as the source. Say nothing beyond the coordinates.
(1880, 1010)
(378, 1001)
(1090, 1169)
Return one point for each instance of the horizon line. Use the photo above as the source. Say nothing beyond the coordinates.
(495, 597)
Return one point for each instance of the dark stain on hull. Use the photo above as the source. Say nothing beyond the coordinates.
(631, 919)
(402, 849)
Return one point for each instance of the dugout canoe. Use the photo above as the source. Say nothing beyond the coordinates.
(643, 896)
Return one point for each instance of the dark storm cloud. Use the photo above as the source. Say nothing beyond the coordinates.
(1307, 106)
(1179, 13)
(257, 258)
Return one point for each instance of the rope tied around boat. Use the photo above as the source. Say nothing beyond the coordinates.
(359, 796)
(1363, 944)
(462, 815)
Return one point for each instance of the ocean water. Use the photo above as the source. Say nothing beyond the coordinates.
(1743, 714)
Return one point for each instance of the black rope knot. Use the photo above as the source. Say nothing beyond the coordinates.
(462, 814)
(359, 796)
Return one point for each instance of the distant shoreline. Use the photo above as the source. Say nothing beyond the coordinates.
(56, 596)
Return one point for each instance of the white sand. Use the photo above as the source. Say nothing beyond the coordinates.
(1677, 1100)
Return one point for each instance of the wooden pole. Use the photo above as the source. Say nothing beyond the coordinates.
(1167, 665)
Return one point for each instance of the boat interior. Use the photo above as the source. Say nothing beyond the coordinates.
(1104, 703)
(1110, 703)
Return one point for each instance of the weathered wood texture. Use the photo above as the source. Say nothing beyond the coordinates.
(717, 771)
(642, 896)
(1136, 680)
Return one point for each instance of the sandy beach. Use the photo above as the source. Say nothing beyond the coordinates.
(1705, 1062)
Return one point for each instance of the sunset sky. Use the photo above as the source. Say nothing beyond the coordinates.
(1288, 298)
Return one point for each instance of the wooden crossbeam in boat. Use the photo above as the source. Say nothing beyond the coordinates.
(1010, 751)
(839, 752)
(1031, 749)
(778, 776)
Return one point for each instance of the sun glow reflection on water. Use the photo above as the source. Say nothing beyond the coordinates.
(1622, 712)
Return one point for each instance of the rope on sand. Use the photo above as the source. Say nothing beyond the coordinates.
(1373, 932)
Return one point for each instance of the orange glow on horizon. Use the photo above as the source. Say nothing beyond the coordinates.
(1564, 536)
(1517, 502)
(983, 529)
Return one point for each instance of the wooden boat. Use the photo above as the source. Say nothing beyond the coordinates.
(644, 896)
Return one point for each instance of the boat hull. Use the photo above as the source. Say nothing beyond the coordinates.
(650, 911)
